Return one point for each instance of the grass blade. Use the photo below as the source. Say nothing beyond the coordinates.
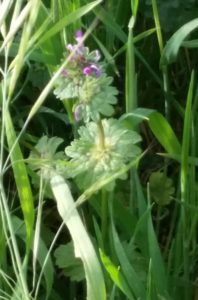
(68, 20)
(173, 45)
(164, 133)
(129, 273)
(185, 181)
(82, 244)
(159, 126)
(49, 270)
(22, 180)
(116, 276)
(157, 264)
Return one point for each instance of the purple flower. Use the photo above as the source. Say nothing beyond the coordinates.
(87, 70)
(96, 70)
(92, 70)
(78, 35)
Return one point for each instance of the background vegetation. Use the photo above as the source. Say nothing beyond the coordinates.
(138, 241)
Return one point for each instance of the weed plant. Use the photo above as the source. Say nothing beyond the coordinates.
(98, 151)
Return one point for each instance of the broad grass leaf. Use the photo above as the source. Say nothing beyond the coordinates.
(159, 126)
(158, 269)
(82, 243)
(186, 140)
(164, 133)
(172, 47)
(136, 116)
(21, 179)
(132, 278)
(190, 44)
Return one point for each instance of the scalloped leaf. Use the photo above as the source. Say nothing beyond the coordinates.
(161, 188)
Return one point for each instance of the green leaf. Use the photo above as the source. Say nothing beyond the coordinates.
(161, 188)
(82, 244)
(172, 47)
(21, 178)
(44, 157)
(71, 265)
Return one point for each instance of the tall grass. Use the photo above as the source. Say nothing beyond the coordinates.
(138, 241)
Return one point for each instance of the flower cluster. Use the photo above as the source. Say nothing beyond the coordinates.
(81, 58)
(104, 146)
(85, 81)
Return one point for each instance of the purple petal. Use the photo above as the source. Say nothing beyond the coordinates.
(87, 71)
(78, 35)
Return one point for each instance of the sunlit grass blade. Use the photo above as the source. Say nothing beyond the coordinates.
(4, 10)
(134, 6)
(82, 243)
(18, 23)
(27, 30)
(22, 180)
(157, 25)
(116, 276)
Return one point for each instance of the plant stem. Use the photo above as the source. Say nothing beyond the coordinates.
(131, 93)
(101, 134)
